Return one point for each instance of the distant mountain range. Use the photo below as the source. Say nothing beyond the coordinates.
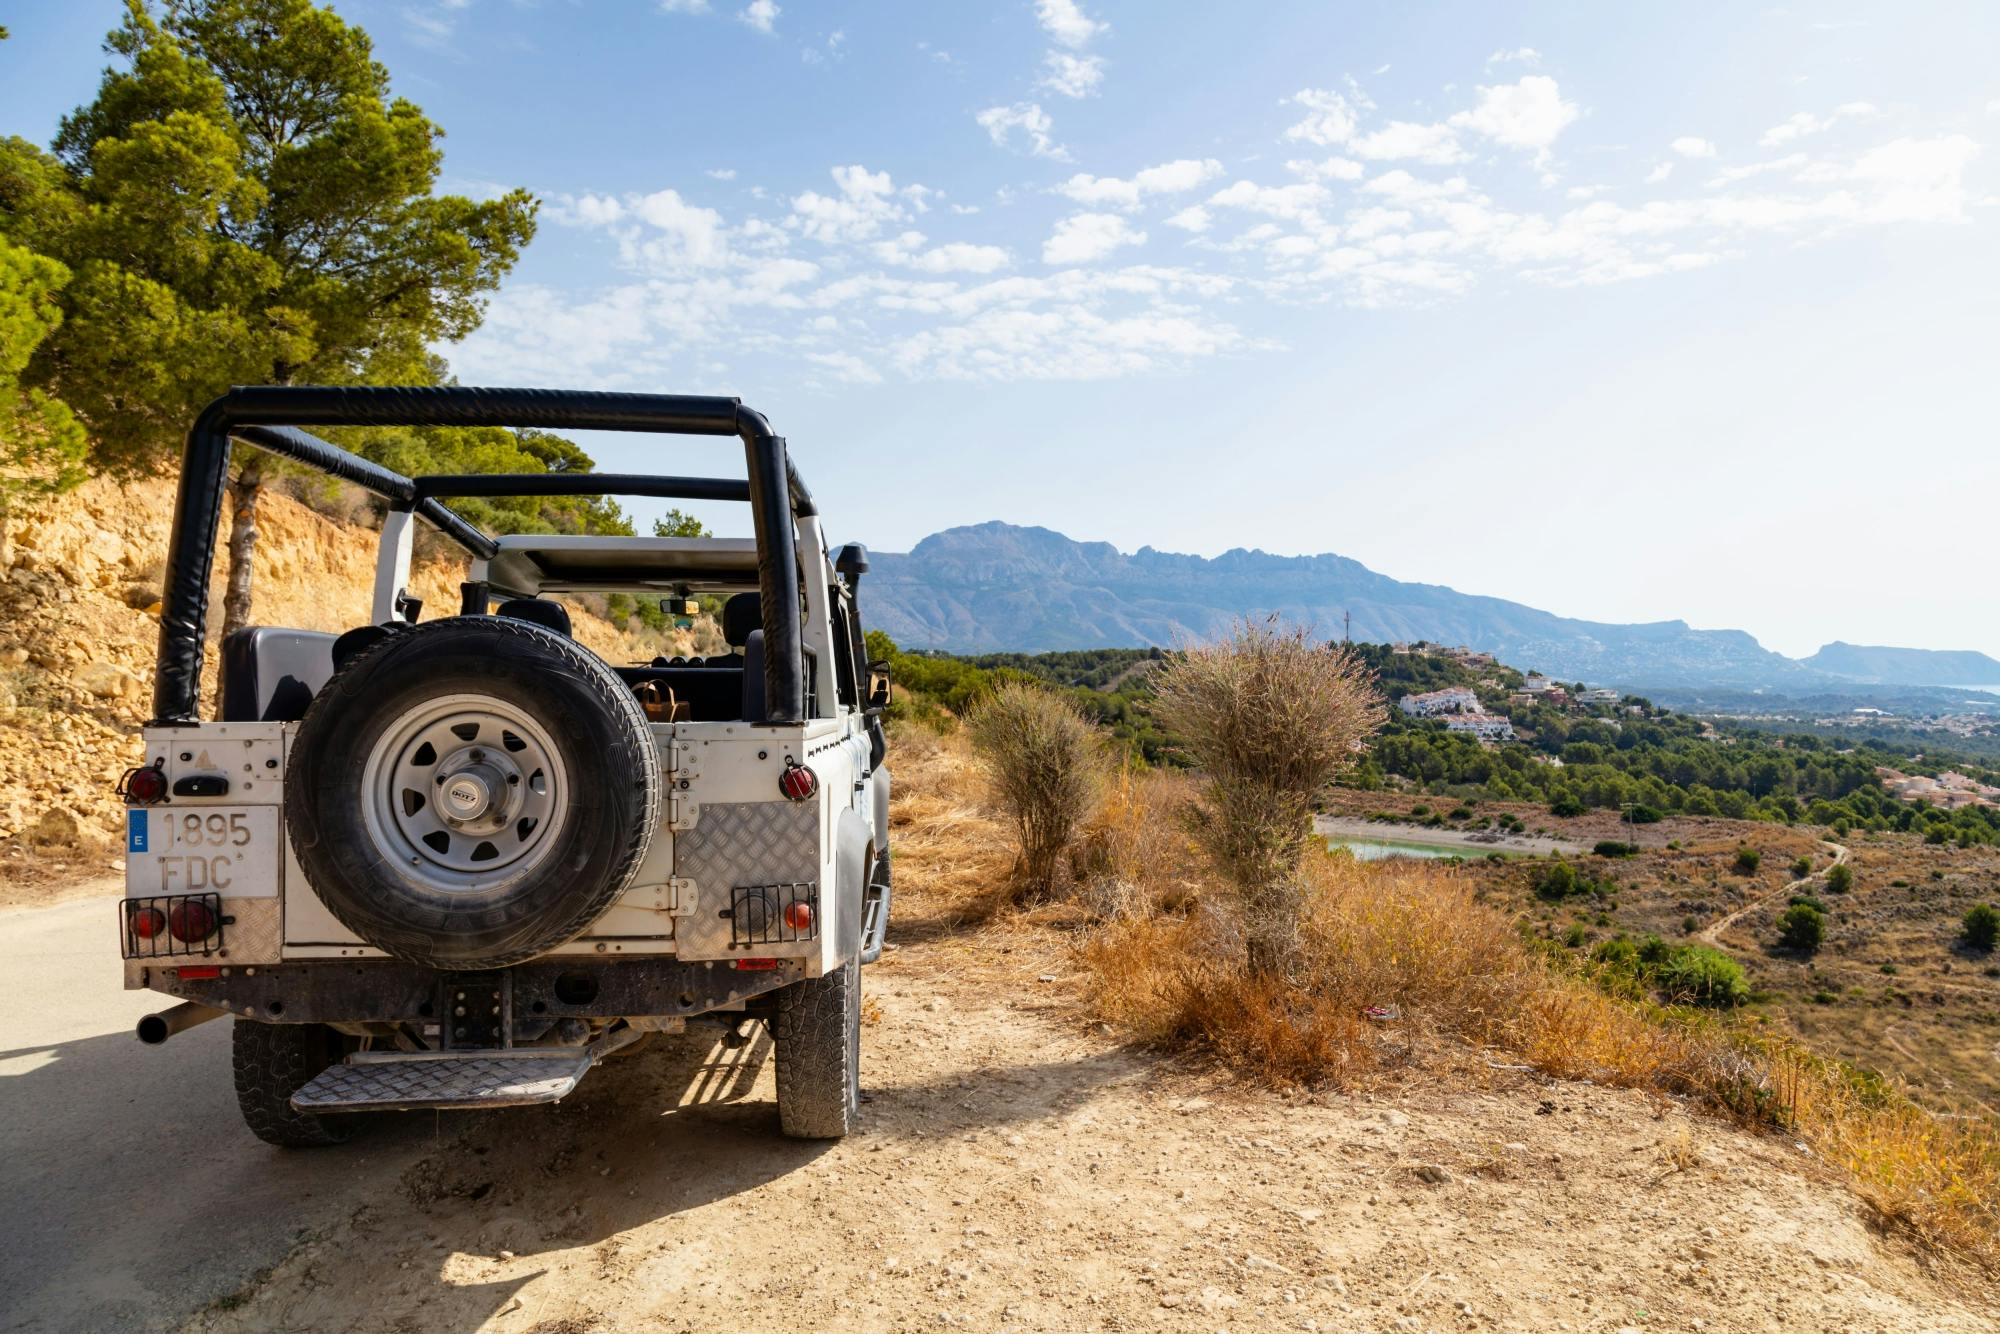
(994, 587)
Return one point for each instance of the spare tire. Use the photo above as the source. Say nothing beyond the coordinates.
(472, 792)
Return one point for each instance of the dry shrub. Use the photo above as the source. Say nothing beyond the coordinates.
(1410, 940)
(1045, 762)
(1137, 854)
(1270, 719)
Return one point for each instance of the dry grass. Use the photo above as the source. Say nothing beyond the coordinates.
(1166, 964)
(1403, 970)
(1045, 762)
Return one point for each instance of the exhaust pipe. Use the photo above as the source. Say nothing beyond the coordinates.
(157, 1028)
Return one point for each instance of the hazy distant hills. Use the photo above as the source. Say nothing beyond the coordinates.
(1906, 666)
(996, 586)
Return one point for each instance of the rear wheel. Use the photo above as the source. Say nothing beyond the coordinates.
(817, 1033)
(274, 1061)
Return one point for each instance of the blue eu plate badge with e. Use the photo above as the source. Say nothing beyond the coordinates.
(135, 831)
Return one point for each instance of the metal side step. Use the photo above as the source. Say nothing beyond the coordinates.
(407, 1081)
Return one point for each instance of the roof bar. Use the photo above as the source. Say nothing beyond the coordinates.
(581, 484)
(776, 493)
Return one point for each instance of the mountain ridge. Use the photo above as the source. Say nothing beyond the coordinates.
(997, 586)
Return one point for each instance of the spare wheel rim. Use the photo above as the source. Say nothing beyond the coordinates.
(462, 789)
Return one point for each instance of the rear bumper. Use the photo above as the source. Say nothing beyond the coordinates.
(376, 991)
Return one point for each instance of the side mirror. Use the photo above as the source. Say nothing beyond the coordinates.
(879, 691)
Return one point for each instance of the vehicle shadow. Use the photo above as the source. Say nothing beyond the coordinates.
(119, 1153)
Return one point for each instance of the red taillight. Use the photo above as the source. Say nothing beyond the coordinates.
(190, 921)
(143, 787)
(199, 973)
(754, 965)
(148, 922)
(797, 782)
(799, 916)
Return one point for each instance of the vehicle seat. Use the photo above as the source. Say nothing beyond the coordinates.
(549, 615)
(270, 674)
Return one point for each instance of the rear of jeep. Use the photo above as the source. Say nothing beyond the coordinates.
(454, 861)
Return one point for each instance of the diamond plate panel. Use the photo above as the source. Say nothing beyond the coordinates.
(257, 935)
(468, 1081)
(736, 844)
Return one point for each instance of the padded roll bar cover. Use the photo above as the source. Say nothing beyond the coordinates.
(740, 615)
(549, 615)
(777, 495)
(270, 674)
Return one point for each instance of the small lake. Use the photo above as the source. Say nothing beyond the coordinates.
(1376, 849)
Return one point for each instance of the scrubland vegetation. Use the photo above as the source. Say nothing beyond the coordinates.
(1395, 970)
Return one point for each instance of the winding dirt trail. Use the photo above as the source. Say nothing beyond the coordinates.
(1712, 933)
(1020, 1170)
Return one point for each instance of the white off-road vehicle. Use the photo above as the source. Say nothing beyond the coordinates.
(452, 861)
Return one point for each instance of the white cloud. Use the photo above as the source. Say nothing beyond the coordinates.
(1436, 144)
(1084, 237)
(1067, 23)
(761, 15)
(1327, 169)
(866, 202)
(1917, 180)
(684, 6)
(1803, 123)
(1194, 218)
(721, 173)
(846, 366)
(690, 237)
(1689, 145)
(1000, 123)
(1276, 201)
(1659, 173)
(1331, 118)
(1168, 178)
(1526, 114)
(1521, 55)
(908, 249)
(1071, 75)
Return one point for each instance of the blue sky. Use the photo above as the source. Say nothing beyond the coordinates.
(1630, 312)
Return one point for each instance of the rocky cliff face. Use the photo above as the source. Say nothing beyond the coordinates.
(995, 586)
(80, 583)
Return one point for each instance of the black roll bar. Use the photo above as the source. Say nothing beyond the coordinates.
(267, 416)
(580, 484)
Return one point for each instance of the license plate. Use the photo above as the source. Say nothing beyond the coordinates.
(227, 850)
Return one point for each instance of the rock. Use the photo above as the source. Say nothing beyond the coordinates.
(106, 680)
(13, 655)
(1431, 1174)
(58, 828)
(141, 596)
(7, 703)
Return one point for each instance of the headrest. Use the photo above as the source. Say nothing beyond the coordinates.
(549, 615)
(740, 615)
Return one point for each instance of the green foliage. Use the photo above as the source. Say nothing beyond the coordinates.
(41, 445)
(245, 202)
(1567, 805)
(1840, 879)
(1611, 847)
(1809, 901)
(1748, 860)
(1801, 927)
(678, 523)
(1563, 881)
(1981, 928)
(1642, 814)
(1801, 867)
(1698, 975)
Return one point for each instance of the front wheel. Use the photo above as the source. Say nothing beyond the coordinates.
(274, 1061)
(817, 1033)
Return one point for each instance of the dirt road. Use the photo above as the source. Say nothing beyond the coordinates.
(130, 1190)
(1712, 933)
(1019, 1170)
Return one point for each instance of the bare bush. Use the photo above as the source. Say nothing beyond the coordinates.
(1046, 760)
(1270, 719)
